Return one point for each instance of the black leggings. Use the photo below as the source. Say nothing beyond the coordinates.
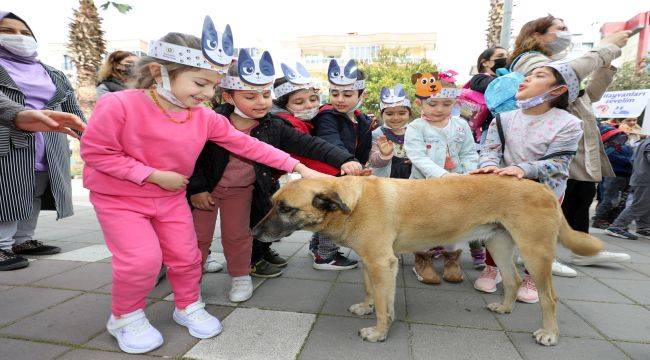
(577, 199)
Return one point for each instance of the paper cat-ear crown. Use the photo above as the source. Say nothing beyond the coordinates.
(297, 79)
(215, 53)
(344, 78)
(393, 97)
(254, 73)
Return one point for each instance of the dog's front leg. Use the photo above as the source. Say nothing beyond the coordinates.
(382, 273)
(365, 307)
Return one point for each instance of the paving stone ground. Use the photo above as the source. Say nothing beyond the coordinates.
(57, 309)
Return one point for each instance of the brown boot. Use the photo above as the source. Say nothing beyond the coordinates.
(452, 272)
(423, 269)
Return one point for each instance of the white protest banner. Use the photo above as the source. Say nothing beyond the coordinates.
(621, 104)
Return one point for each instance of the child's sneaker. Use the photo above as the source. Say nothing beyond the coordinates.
(600, 224)
(527, 291)
(264, 269)
(200, 324)
(478, 258)
(620, 232)
(134, 333)
(560, 269)
(601, 258)
(644, 232)
(274, 258)
(487, 282)
(212, 265)
(241, 288)
(336, 262)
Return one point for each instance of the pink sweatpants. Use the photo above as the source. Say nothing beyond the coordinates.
(143, 233)
(236, 239)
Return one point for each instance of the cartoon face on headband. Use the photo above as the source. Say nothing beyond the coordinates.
(392, 95)
(255, 71)
(342, 76)
(426, 84)
(298, 76)
(217, 47)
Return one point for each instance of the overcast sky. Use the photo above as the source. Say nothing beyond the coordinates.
(460, 24)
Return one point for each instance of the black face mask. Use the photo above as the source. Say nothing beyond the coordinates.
(498, 64)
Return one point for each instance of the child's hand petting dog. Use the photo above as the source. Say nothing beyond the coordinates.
(351, 168)
(511, 171)
(484, 170)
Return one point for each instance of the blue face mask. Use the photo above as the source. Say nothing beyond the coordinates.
(536, 100)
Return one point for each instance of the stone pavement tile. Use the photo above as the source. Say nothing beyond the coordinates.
(343, 295)
(29, 350)
(59, 231)
(22, 301)
(586, 288)
(449, 308)
(567, 348)
(641, 268)
(73, 321)
(441, 342)
(356, 276)
(256, 334)
(613, 271)
(285, 248)
(290, 294)
(641, 246)
(298, 237)
(177, 339)
(87, 277)
(65, 246)
(338, 338)
(89, 253)
(80, 354)
(639, 290)
(161, 291)
(300, 267)
(528, 317)
(91, 237)
(3, 288)
(215, 287)
(37, 269)
(616, 321)
(637, 351)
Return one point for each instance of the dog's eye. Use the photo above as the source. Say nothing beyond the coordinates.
(284, 209)
(432, 80)
(424, 81)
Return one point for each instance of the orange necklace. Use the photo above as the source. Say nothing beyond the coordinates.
(154, 96)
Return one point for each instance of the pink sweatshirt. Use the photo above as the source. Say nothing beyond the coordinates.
(128, 137)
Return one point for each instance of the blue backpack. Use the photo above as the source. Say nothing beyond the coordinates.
(500, 93)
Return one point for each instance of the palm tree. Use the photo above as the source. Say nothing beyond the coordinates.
(495, 23)
(87, 47)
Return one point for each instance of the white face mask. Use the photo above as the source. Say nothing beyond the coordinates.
(241, 113)
(20, 45)
(562, 41)
(165, 89)
(305, 114)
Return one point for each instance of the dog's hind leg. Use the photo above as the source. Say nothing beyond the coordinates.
(365, 307)
(538, 260)
(382, 271)
(501, 248)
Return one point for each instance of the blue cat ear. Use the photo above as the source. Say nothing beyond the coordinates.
(384, 94)
(351, 69)
(227, 41)
(288, 72)
(301, 70)
(266, 64)
(209, 37)
(399, 90)
(244, 60)
(243, 56)
(334, 65)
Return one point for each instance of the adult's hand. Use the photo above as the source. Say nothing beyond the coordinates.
(618, 38)
(48, 120)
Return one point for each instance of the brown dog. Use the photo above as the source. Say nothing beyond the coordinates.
(378, 217)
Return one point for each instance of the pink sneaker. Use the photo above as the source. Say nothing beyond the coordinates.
(488, 280)
(527, 291)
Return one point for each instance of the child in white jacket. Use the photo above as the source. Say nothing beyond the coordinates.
(438, 145)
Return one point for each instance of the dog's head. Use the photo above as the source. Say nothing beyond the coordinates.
(426, 84)
(304, 204)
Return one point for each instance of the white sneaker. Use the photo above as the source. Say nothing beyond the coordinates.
(199, 322)
(212, 265)
(560, 269)
(600, 258)
(241, 288)
(134, 333)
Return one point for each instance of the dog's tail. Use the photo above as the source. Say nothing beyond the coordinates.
(578, 242)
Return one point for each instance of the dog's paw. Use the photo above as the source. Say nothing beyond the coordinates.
(371, 334)
(499, 308)
(361, 309)
(545, 337)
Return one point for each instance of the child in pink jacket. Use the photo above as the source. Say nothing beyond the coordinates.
(139, 150)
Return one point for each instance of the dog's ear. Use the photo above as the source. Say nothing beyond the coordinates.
(330, 201)
(415, 77)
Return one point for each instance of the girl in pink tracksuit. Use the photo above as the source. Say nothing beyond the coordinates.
(139, 149)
